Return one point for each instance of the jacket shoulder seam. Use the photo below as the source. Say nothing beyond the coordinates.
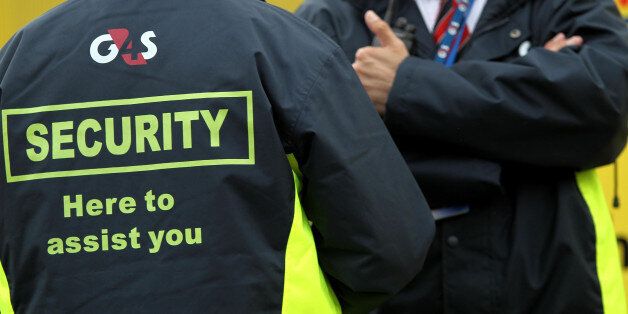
(305, 96)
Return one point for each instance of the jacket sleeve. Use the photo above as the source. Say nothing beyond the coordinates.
(320, 16)
(339, 20)
(566, 109)
(373, 225)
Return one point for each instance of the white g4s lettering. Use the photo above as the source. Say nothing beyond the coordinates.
(93, 50)
(151, 51)
(151, 48)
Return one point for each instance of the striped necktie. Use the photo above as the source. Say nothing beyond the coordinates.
(451, 32)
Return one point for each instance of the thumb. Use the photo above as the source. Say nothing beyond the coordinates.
(380, 28)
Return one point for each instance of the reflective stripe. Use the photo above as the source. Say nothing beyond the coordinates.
(305, 288)
(607, 255)
(5, 295)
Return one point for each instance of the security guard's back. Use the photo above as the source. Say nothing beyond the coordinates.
(145, 147)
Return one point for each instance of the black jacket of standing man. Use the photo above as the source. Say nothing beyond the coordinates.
(511, 130)
(145, 166)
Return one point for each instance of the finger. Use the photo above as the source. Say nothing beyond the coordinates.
(376, 54)
(574, 41)
(361, 69)
(357, 68)
(363, 53)
(559, 42)
(555, 43)
(363, 79)
(559, 37)
(380, 28)
(370, 54)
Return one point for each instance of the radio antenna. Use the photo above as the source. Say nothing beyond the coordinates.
(390, 11)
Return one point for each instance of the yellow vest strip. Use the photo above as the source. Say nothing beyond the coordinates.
(305, 288)
(5, 295)
(607, 256)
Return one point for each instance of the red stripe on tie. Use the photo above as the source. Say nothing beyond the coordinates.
(443, 24)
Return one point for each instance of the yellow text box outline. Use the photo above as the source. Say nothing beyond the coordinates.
(138, 168)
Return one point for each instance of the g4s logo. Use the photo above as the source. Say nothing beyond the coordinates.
(119, 38)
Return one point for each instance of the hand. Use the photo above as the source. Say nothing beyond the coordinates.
(377, 66)
(560, 41)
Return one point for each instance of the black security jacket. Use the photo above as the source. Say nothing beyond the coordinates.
(505, 131)
(145, 170)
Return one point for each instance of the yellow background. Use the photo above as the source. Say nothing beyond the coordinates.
(16, 13)
(623, 7)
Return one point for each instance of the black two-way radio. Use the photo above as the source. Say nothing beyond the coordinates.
(402, 29)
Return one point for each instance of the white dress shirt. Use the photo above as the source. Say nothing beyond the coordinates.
(430, 10)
